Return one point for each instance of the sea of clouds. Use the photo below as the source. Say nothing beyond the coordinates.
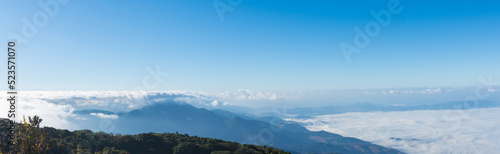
(425, 131)
(441, 131)
(58, 108)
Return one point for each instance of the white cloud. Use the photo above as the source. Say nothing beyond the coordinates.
(416, 91)
(215, 103)
(104, 116)
(430, 91)
(115, 101)
(54, 115)
(446, 131)
(252, 95)
(493, 90)
(57, 107)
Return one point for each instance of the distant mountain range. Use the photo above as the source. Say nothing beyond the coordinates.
(369, 107)
(220, 124)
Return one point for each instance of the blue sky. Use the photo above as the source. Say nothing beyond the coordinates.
(260, 45)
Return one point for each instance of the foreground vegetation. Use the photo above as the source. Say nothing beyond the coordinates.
(33, 139)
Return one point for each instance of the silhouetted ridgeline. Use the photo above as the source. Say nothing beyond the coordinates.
(86, 141)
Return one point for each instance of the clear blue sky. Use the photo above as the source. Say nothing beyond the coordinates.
(260, 45)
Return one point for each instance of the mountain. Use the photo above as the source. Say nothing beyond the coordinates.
(270, 119)
(184, 118)
(93, 111)
(369, 107)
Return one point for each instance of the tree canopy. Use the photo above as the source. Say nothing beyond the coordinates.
(33, 139)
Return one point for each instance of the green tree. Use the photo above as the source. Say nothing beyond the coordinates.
(221, 152)
(184, 148)
(30, 138)
(108, 150)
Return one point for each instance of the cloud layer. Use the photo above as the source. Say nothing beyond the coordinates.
(457, 131)
(57, 108)
(446, 131)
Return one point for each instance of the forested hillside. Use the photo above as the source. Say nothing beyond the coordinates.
(32, 138)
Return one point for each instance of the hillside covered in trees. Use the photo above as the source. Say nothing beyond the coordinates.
(33, 139)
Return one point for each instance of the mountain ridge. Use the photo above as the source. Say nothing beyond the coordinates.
(184, 118)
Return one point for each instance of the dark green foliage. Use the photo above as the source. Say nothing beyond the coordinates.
(221, 152)
(86, 141)
(30, 138)
(109, 150)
